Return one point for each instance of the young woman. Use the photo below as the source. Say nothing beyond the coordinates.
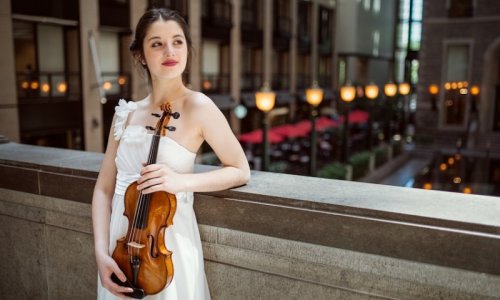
(162, 45)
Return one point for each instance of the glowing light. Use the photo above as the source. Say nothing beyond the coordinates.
(458, 156)
(447, 86)
(207, 84)
(314, 95)
(45, 87)
(433, 89)
(34, 85)
(404, 88)
(451, 161)
(443, 167)
(62, 87)
(347, 93)
(390, 89)
(467, 190)
(463, 91)
(265, 98)
(427, 186)
(474, 90)
(453, 85)
(122, 80)
(25, 85)
(371, 91)
(107, 86)
(457, 180)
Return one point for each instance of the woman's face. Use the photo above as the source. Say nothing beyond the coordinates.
(165, 50)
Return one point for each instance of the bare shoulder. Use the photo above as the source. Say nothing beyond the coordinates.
(198, 101)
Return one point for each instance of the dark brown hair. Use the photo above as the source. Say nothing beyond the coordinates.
(149, 17)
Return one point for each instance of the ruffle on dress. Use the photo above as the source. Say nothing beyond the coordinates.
(121, 111)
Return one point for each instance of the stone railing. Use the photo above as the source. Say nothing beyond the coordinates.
(279, 237)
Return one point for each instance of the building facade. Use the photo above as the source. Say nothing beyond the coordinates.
(67, 62)
(459, 88)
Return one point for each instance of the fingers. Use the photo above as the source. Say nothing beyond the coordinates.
(151, 168)
(115, 288)
(151, 185)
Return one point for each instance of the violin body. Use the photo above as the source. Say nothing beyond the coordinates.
(155, 270)
(142, 254)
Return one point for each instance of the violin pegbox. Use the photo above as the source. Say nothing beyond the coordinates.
(165, 118)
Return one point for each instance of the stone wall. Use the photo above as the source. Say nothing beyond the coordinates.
(279, 237)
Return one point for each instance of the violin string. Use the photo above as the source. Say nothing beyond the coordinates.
(142, 202)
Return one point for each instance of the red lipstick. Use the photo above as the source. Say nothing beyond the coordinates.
(169, 63)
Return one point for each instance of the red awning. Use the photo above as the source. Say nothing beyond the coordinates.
(255, 137)
(356, 117)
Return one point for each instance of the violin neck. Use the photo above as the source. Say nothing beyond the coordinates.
(153, 150)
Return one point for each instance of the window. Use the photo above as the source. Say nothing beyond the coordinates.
(455, 96)
(460, 8)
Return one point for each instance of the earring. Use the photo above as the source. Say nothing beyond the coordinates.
(143, 62)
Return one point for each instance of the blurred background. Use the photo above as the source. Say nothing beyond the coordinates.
(399, 92)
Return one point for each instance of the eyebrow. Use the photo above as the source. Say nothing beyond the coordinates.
(175, 36)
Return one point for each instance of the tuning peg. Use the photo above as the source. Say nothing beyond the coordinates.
(175, 115)
(156, 115)
(150, 128)
(170, 128)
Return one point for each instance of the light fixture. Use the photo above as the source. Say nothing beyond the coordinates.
(122, 80)
(265, 98)
(62, 87)
(107, 85)
(474, 90)
(371, 91)
(347, 93)
(314, 95)
(390, 89)
(404, 88)
(433, 89)
(45, 87)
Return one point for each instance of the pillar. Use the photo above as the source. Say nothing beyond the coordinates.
(267, 67)
(9, 113)
(195, 29)
(92, 107)
(235, 52)
(138, 77)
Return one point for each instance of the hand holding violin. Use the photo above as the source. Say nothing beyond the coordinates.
(156, 177)
(107, 266)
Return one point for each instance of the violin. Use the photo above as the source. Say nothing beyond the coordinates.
(142, 254)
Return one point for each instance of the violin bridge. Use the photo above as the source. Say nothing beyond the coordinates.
(136, 245)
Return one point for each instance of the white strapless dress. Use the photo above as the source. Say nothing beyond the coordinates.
(183, 237)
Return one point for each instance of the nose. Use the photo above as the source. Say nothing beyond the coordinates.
(169, 49)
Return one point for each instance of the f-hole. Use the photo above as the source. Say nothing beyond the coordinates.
(154, 254)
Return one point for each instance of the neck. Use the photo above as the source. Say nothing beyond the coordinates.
(167, 90)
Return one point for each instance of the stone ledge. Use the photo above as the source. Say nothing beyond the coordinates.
(422, 226)
(365, 274)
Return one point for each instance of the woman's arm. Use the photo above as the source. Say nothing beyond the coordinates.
(215, 130)
(101, 215)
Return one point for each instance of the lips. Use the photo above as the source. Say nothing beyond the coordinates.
(169, 63)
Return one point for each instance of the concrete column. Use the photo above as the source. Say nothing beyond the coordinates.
(195, 28)
(293, 56)
(267, 67)
(335, 62)
(235, 71)
(314, 42)
(293, 46)
(9, 114)
(139, 78)
(92, 107)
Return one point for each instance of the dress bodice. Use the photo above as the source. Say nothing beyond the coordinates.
(133, 150)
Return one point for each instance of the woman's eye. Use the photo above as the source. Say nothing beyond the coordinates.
(178, 42)
(156, 44)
